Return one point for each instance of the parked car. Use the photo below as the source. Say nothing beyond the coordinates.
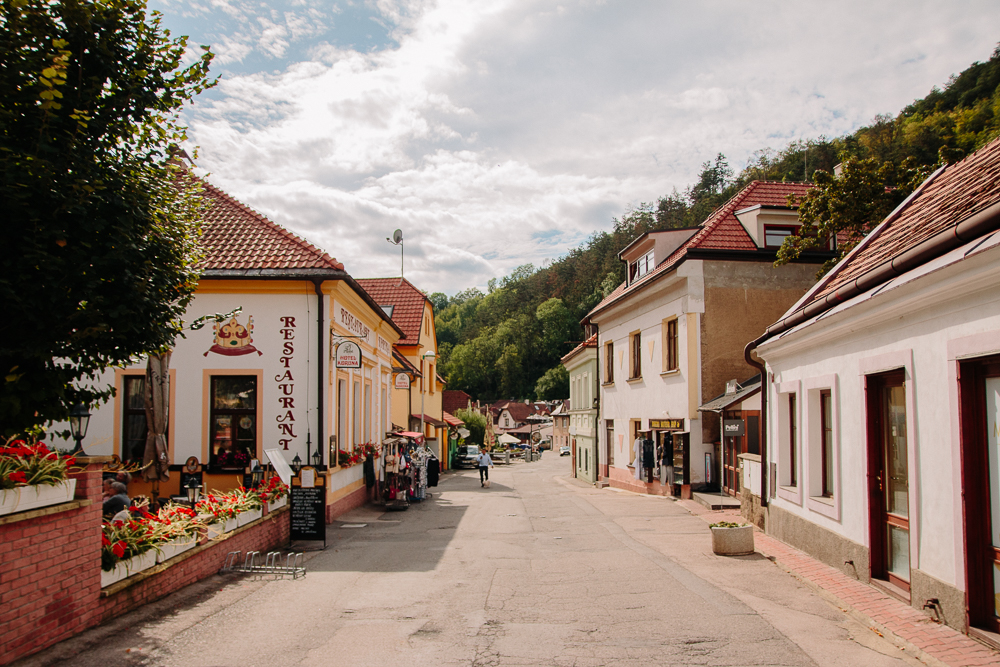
(564, 450)
(466, 456)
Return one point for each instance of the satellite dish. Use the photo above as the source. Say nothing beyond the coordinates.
(397, 236)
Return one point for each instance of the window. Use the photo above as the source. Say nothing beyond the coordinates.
(635, 345)
(430, 377)
(641, 267)
(609, 362)
(134, 419)
(793, 442)
(342, 413)
(670, 345)
(775, 235)
(234, 421)
(384, 422)
(356, 422)
(609, 440)
(368, 412)
(826, 435)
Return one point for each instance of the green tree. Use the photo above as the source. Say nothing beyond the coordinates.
(102, 224)
(553, 385)
(476, 423)
(849, 206)
(439, 300)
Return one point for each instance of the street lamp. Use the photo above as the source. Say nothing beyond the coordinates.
(79, 420)
(193, 489)
(317, 458)
(296, 464)
(428, 355)
(256, 476)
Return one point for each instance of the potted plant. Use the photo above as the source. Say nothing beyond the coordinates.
(247, 504)
(32, 476)
(274, 493)
(732, 539)
(128, 547)
(182, 526)
(233, 459)
(218, 512)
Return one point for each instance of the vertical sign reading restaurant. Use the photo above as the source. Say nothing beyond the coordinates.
(286, 385)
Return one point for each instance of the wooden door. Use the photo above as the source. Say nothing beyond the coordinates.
(979, 400)
(889, 479)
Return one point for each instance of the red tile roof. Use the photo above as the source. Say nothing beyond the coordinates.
(453, 400)
(960, 191)
(720, 231)
(407, 301)
(405, 364)
(590, 342)
(234, 236)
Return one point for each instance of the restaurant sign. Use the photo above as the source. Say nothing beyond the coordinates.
(402, 381)
(348, 355)
(354, 325)
(384, 347)
(667, 424)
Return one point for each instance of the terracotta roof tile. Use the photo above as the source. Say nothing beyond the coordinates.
(234, 236)
(453, 400)
(407, 301)
(720, 231)
(590, 342)
(960, 191)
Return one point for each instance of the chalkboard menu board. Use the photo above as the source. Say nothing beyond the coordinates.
(308, 521)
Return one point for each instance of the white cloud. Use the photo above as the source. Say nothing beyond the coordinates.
(501, 132)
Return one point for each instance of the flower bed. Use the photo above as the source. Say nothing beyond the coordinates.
(33, 476)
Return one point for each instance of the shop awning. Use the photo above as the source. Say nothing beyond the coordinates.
(451, 420)
(429, 420)
(408, 434)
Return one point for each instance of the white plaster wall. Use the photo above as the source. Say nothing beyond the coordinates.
(658, 395)
(918, 326)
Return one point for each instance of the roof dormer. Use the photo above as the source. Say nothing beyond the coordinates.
(651, 249)
(768, 226)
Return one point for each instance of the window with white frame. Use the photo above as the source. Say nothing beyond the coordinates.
(821, 436)
(788, 440)
(641, 267)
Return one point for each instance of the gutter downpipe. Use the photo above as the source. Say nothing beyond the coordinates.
(979, 224)
(321, 443)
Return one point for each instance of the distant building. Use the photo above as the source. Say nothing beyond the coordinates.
(673, 333)
(883, 403)
(581, 416)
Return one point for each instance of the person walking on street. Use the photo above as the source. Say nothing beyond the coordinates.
(485, 463)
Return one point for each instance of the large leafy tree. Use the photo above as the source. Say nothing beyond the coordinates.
(100, 226)
(847, 207)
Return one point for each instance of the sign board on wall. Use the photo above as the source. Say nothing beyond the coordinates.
(384, 347)
(348, 355)
(667, 424)
(402, 381)
(733, 427)
(353, 324)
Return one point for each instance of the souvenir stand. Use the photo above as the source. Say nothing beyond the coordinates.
(397, 471)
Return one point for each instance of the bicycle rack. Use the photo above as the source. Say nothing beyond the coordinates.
(272, 566)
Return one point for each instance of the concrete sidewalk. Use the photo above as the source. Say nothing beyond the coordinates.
(935, 643)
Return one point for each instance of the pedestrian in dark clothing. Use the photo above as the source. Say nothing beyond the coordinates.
(485, 463)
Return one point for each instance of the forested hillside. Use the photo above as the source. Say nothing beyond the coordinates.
(508, 342)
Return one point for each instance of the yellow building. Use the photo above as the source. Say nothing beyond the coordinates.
(413, 313)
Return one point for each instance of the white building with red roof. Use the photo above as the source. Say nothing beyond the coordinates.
(883, 403)
(672, 335)
(263, 379)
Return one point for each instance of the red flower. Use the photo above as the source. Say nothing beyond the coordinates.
(71, 461)
(119, 549)
(18, 476)
(105, 542)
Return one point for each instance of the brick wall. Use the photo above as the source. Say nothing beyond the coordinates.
(50, 568)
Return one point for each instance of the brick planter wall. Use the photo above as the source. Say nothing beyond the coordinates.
(50, 568)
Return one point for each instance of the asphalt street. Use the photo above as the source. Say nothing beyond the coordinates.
(540, 569)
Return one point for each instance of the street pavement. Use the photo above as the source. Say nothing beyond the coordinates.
(540, 569)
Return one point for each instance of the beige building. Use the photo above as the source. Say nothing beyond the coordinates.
(672, 336)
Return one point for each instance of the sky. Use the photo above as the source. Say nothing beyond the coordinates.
(505, 132)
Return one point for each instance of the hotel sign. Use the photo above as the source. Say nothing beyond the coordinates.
(402, 381)
(348, 355)
(667, 424)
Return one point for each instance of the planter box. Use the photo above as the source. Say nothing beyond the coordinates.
(231, 525)
(23, 498)
(243, 518)
(214, 530)
(277, 504)
(176, 546)
(127, 568)
(733, 541)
